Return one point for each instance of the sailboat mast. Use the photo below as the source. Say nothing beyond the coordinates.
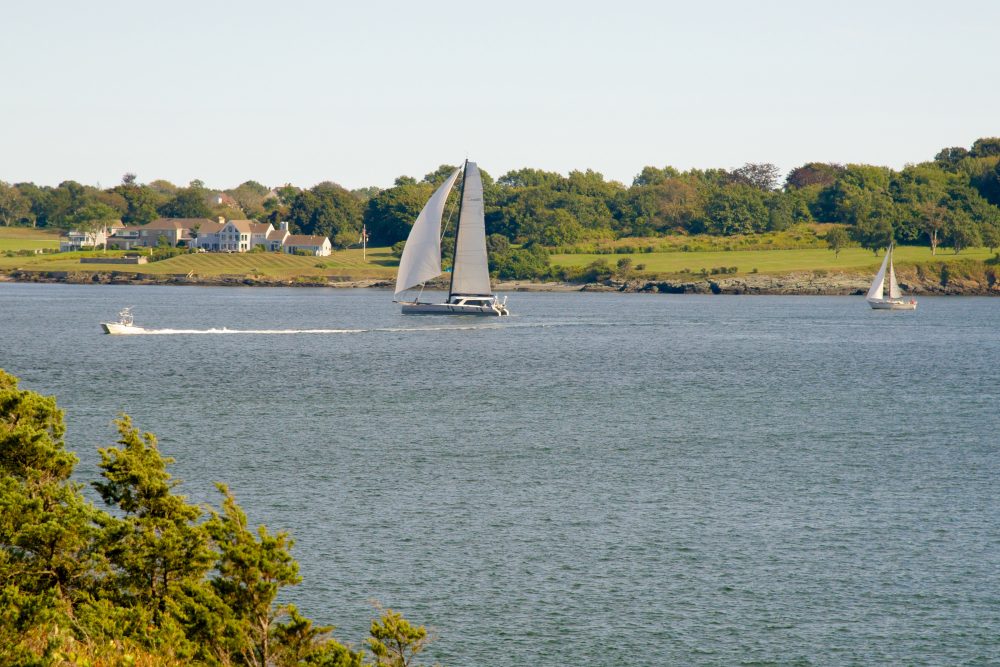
(458, 225)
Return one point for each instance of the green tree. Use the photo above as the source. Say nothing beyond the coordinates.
(985, 147)
(327, 210)
(14, 207)
(836, 240)
(158, 554)
(935, 219)
(760, 175)
(395, 642)
(813, 174)
(46, 527)
(962, 232)
(251, 571)
(189, 202)
(736, 209)
(250, 195)
(389, 215)
(990, 231)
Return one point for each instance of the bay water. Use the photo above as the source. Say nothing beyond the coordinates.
(600, 479)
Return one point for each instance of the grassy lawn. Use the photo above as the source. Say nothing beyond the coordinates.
(851, 260)
(342, 264)
(21, 238)
(380, 264)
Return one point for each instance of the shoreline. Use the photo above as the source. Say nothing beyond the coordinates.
(799, 283)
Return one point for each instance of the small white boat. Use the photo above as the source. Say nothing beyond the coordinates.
(124, 324)
(876, 293)
(469, 292)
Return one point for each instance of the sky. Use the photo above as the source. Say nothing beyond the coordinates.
(361, 92)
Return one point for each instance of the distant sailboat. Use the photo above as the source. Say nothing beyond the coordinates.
(469, 292)
(876, 293)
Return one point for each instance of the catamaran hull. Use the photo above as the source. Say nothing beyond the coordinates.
(452, 309)
(885, 304)
(118, 329)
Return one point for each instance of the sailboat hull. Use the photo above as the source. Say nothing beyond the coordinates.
(892, 304)
(414, 308)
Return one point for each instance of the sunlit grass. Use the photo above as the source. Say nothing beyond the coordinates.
(851, 260)
(342, 264)
(22, 238)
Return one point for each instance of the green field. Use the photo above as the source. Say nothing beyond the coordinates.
(343, 264)
(851, 260)
(19, 238)
(380, 264)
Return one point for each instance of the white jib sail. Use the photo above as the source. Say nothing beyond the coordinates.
(894, 291)
(471, 274)
(421, 258)
(875, 291)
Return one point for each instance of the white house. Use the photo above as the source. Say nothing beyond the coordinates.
(313, 245)
(206, 235)
(245, 235)
(276, 237)
(78, 240)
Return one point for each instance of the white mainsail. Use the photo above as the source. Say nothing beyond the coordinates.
(471, 274)
(876, 290)
(421, 258)
(894, 291)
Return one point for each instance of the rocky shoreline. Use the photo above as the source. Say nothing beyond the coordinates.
(809, 283)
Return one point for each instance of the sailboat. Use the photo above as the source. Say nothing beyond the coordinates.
(876, 293)
(469, 292)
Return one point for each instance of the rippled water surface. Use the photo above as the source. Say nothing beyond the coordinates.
(599, 479)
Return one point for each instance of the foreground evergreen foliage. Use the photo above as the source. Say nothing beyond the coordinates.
(151, 579)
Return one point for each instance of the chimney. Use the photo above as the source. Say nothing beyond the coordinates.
(284, 225)
(222, 220)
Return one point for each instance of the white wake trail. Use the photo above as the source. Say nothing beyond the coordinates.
(137, 331)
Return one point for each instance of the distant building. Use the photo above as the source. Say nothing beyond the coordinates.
(123, 238)
(276, 237)
(218, 236)
(301, 243)
(173, 231)
(78, 240)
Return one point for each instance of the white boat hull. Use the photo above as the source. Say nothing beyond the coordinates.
(892, 304)
(119, 329)
(414, 308)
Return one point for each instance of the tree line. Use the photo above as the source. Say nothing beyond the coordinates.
(952, 200)
(149, 578)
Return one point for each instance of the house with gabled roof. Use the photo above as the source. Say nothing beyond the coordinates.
(302, 243)
(172, 230)
(276, 237)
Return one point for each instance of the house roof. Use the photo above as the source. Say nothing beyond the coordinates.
(260, 227)
(175, 223)
(243, 226)
(277, 234)
(304, 239)
(210, 227)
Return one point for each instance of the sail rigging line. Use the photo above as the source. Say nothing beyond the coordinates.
(458, 226)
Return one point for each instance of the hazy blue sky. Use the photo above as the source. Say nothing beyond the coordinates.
(362, 92)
